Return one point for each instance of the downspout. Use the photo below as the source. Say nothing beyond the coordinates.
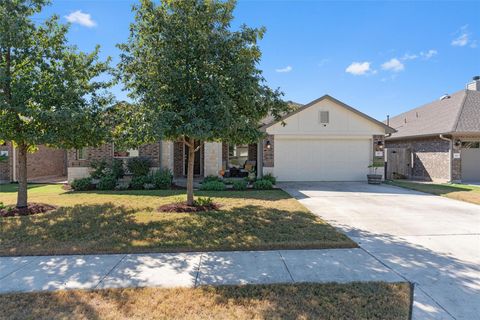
(449, 155)
(14, 159)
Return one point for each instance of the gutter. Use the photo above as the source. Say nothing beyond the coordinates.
(449, 155)
(14, 159)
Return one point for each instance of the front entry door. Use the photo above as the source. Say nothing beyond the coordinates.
(197, 167)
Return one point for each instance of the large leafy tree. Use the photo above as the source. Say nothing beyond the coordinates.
(193, 78)
(49, 92)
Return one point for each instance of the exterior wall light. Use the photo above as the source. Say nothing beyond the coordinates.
(268, 145)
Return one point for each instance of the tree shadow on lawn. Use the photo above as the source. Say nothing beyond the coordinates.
(13, 187)
(107, 228)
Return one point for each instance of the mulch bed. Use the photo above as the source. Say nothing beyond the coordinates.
(183, 207)
(32, 208)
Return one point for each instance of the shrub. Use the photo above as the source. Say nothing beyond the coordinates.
(262, 184)
(213, 186)
(99, 167)
(203, 202)
(229, 181)
(116, 168)
(2, 206)
(211, 178)
(139, 166)
(122, 186)
(83, 184)
(102, 168)
(137, 183)
(162, 179)
(107, 183)
(270, 178)
(240, 185)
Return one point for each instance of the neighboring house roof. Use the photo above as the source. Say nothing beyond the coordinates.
(388, 129)
(460, 113)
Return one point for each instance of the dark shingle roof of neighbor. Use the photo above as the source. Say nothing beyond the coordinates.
(458, 114)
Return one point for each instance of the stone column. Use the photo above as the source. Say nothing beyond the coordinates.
(213, 158)
(260, 159)
(167, 155)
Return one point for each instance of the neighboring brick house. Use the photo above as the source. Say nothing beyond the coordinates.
(44, 163)
(443, 137)
(325, 140)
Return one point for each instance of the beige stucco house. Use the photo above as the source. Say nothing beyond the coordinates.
(324, 140)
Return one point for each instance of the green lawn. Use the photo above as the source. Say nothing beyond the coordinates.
(127, 221)
(373, 301)
(454, 191)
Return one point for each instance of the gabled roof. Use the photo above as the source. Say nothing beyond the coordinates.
(388, 129)
(458, 114)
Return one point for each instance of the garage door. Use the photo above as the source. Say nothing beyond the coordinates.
(321, 159)
(470, 164)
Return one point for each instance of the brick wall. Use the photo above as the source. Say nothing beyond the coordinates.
(151, 151)
(6, 165)
(268, 153)
(430, 157)
(104, 152)
(252, 152)
(178, 164)
(46, 162)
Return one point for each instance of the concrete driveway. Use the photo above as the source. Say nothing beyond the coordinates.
(431, 241)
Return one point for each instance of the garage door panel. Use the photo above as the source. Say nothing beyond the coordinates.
(471, 164)
(321, 159)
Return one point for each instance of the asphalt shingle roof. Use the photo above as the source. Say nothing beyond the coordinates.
(459, 113)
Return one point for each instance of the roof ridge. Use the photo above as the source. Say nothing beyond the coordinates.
(457, 120)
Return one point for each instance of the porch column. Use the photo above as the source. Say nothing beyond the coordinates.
(213, 158)
(166, 155)
(260, 159)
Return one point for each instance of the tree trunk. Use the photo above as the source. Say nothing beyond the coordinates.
(191, 162)
(22, 177)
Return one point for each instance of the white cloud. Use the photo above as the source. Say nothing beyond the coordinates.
(358, 68)
(393, 65)
(284, 70)
(429, 54)
(81, 18)
(461, 41)
(464, 38)
(408, 56)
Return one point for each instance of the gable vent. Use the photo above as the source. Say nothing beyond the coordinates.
(324, 117)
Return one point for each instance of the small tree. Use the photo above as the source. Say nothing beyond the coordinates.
(49, 93)
(193, 78)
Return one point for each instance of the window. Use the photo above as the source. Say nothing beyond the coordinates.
(82, 154)
(471, 144)
(125, 153)
(324, 117)
(237, 155)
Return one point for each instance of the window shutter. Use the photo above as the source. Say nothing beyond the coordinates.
(324, 117)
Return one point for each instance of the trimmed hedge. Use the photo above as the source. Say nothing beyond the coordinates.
(263, 184)
(83, 184)
(212, 186)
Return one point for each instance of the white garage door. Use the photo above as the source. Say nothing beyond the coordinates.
(471, 164)
(321, 159)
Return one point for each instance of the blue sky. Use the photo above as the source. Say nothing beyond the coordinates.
(379, 57)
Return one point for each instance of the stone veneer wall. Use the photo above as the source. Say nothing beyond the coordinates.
(430, 157)
(268, 154)
(213, 158)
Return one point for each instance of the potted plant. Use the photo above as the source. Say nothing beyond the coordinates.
(375, 178)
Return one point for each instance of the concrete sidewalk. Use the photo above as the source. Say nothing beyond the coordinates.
(38, 273)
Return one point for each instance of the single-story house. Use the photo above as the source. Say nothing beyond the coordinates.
(442, 138)
(44, 163)
(324, 140)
